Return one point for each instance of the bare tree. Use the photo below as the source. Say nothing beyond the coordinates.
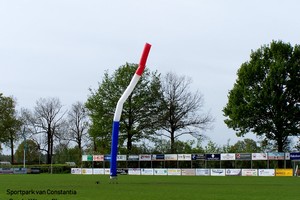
(78, 125)
(46, 119)
(181, 109)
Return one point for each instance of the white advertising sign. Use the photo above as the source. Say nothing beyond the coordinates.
(121, 157)
(160, 172)
(170, 156)
(184, 157)
(227, 156)
(249, 172)
(98, 171)
(107, 171)
(84, 158)
(233, 172)
(86, 171)
(75, 170)
(145, 157)
(147, 171)
(266, 172)
(174, 172)
(259, 156)
(188, 172)
(134, 171)
(202, 172)
(217, 172)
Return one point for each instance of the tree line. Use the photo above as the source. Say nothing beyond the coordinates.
(264, 100)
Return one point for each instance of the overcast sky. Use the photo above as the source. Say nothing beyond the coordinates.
(61, 48)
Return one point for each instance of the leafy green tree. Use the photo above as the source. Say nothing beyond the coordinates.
(265, 98)
(32, 153)
(181, 109)
(9, 123)
(139, 117)
(245, 146)
(63, 154)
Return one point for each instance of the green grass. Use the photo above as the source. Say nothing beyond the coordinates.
(150, 187)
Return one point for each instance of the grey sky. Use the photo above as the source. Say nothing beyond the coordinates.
(61, 48)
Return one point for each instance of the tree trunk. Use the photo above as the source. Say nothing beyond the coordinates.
(12, 150)
(173, 150)
(129, 143)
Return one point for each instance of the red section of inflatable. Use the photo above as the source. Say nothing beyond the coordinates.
(143, 60)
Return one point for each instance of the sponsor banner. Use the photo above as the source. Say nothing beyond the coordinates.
(160, 172)
(217, 172)
(107, 171)
(122, 171)
(75, 170)
(98, 157)
(295, 156)
(6, 170)
(188, 172)
(121, 157)
(266, 172)
(86, 171)
(98, 171)
(287, 156)
(184, 157)
(202, 172)
(227, 156)
(133, 158)
(134, 171)
(276, 156)
(233, 172)
(20, 170)
(147, 171)
(174, 172)
(249, 172)
(145, 157)
(170, 156)
(212, 156)
(158, 157)
(284, 172)
(107, 157)
(243, 156)
(259, 156)
(87, 158)
(198, 156)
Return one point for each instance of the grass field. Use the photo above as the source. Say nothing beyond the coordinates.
(79, 187)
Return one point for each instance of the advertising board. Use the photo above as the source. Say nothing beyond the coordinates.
(145, 157)
(202, 172)
(134, 171)
(174, 172)
(276, 156)
(249, 172)
(87, 171)
(160, 172)
(266, 172)
(227, 156)
(188, 172)
(75, 170)
(98, 171)
(98, 157)
(184, 157)
(259, 156)
(213, 157)
(170, 156)
(147, 171)
(284, 172)
(233, 172)
(217, 172)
